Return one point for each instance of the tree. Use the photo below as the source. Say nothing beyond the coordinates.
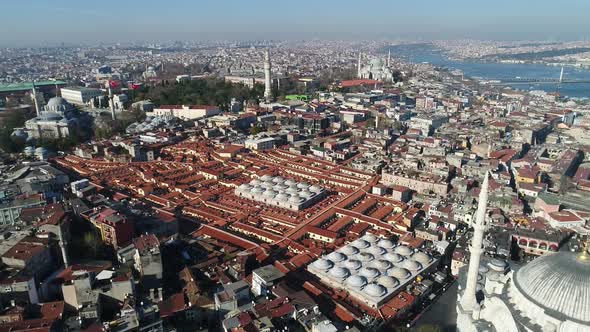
(14, 119)
(92, 243)
(255, 130)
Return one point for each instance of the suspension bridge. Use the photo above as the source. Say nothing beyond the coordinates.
(529, 80)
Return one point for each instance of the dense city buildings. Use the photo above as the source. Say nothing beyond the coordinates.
(278, 186)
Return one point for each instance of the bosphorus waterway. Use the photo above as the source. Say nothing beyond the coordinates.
(490, 70)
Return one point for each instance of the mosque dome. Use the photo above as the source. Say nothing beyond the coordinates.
(296, 199)
(386, 244)
(402, 250)
(257, 190)
(558, 283)
(375, 290)
(365, 257)
(339, 272)
(356, 281)
(387, 281)
(323, 264)
(382, 264)
(49, 116)
(267, 184)
(302, 185)
(393, 257)
(411, 265)
(370, 237)
(377, 251)
(282, 197)
(422, 258)
(353, 264)
(350, 250)
(245, 186)
(376, 63)
(270, 193)
(361, 244)
(399, 273)
(369, 272)
(255, 182)
(278, 179)
(337, 256)
(57, 102)
(266, 178)
(497, 265)
(279, 187)
(315, 188)
(306, 193)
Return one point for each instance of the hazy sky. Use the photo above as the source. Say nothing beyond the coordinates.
(30, 22)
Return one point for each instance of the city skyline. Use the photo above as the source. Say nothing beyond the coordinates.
(78, 22)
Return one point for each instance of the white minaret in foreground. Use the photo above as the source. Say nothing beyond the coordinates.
(34, 95)
(358, 70)
(111, 103)
(468, 300)
(389, 58)
(267, 78)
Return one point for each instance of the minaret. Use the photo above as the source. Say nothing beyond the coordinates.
(389, 58)
(358, 70)
(111, 103)
(34, 92)
(267, 78)
(468, 300)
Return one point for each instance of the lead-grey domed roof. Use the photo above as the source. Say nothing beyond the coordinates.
(369, 272)
(350, 250)
(266, 177)
(402, 250)
(361, 244)
(356, 281)
(370, 238)
(382, 264)
(387, 281)
(422, 258)
(56, 102)
(337, 256)
(49, 116)
(411, 265)
(245, 186)
(386, 243)
(375, 290)
(353, 264)
(323, 264)
(339, 272)
(559, 283)
(399, 273)
(365, 257)
(270, 192)
(377, 251)
(393, 257)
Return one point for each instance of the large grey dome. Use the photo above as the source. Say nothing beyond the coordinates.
(56, 102)
(49, 116)
(558, 283)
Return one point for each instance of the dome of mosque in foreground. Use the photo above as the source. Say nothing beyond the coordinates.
(559, 283)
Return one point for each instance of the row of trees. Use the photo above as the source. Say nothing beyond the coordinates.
(198, 92)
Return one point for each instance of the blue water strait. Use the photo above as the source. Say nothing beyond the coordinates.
(489, 70)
